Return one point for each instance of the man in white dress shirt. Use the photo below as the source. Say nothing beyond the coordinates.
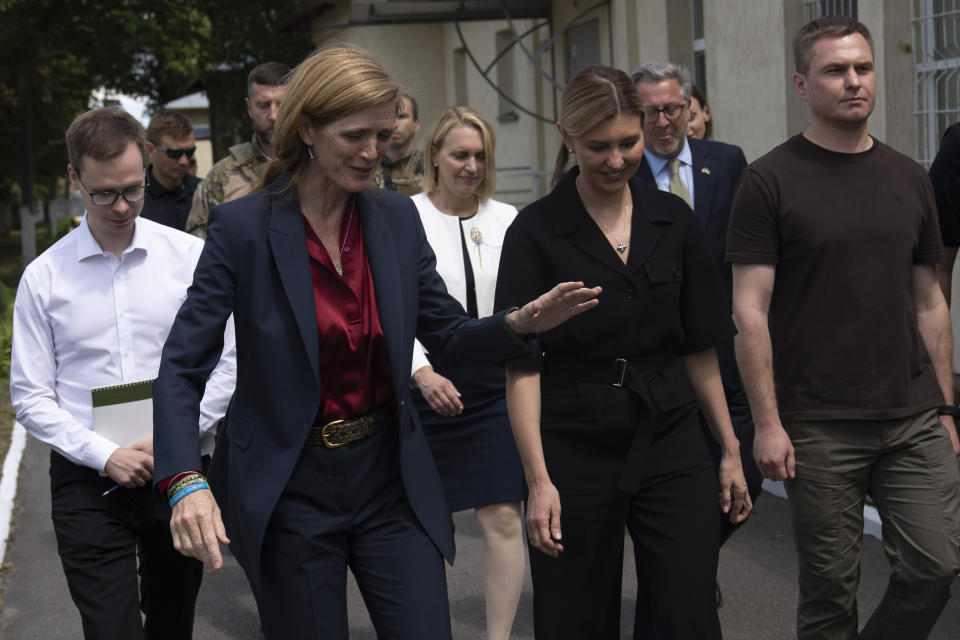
(94, 310)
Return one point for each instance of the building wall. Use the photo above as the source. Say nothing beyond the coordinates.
(519, 140)
(652, 32)
(897, 84)
(798, 116)
(680, 32)
(412, 54)
(749, 62)
(747, 96)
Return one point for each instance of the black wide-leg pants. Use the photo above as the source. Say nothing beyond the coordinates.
(673, 522)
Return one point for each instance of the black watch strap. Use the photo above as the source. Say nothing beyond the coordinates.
(949, 410)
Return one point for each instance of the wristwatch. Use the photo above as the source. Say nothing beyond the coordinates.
(949, 410)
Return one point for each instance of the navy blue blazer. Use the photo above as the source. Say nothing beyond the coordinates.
(255, 265)
(716, 170)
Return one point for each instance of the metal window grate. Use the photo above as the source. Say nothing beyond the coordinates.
(936, 46)
(813, 9)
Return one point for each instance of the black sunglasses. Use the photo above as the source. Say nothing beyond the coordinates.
(176, 153)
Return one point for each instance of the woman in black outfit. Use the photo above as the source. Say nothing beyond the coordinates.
(606, 418)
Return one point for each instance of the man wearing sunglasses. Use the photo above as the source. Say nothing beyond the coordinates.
(94, 310)
(170, 145)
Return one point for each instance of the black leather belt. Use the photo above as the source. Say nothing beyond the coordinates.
(612, 372)
(340, 432)
(609, 372)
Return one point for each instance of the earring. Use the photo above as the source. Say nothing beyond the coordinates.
(310, 152)
(569, 150)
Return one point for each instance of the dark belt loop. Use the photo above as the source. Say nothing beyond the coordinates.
(621, 371)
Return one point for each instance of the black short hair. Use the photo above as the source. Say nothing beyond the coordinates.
(270, 74)
(829, 27)
(413, 106)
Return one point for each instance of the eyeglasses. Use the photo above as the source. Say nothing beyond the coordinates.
(107, 198)
(176, 153)
(670, 110)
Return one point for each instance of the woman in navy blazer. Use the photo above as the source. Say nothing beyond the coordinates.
(328, 282)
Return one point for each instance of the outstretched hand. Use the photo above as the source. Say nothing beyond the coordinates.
(553, 308)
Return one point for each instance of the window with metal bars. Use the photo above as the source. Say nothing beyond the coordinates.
(936, 47)
(813, 9)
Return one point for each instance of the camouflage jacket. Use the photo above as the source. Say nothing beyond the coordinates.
(229, 179)
(405, 175)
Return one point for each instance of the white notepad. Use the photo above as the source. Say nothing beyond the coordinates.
(123, 413)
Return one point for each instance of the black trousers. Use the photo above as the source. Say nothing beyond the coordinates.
(102, 540)
(343, 508)
(672, 521)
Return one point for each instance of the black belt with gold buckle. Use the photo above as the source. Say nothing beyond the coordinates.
(340, 432)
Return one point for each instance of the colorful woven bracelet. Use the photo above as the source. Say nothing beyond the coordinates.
(183, 482)
(183, 493)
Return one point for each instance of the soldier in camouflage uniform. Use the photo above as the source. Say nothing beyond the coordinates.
(237, 174)
(401, 168)
(229, 179)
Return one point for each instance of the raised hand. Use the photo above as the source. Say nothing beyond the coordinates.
(553, 308)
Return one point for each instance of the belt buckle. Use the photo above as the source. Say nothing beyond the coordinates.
(621, 371)
(325, 436)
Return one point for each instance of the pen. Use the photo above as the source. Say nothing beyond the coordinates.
(110, 490)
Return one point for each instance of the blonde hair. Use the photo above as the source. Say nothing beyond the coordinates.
(328, 85)
(592, 97)
(450, 118)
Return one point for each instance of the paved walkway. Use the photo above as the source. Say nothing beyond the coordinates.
(757, 573)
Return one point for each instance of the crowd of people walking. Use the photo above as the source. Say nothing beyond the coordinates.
(630, 354)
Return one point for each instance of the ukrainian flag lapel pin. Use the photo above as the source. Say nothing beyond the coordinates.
(705, 171)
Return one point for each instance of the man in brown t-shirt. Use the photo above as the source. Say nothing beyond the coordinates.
(844, 347)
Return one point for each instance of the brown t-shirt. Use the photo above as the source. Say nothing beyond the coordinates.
(844, 231)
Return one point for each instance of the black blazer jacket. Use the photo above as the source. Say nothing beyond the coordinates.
(255, 265)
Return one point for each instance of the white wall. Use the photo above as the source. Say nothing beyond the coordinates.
(749, 67)
(745, 74)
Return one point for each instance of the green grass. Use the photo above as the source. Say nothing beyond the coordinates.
(11, 268)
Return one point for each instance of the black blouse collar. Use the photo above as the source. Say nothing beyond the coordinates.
(569, 214)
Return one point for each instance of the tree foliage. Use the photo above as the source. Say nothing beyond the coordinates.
(158, 49)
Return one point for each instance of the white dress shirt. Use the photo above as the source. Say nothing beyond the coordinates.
(84, 319)
(660, 168)
(443, 234)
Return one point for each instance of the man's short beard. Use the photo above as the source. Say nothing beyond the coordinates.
(266, 139)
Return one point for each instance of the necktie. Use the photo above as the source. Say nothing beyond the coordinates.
(676, 182)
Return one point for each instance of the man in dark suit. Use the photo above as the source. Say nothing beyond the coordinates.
(704, 173)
